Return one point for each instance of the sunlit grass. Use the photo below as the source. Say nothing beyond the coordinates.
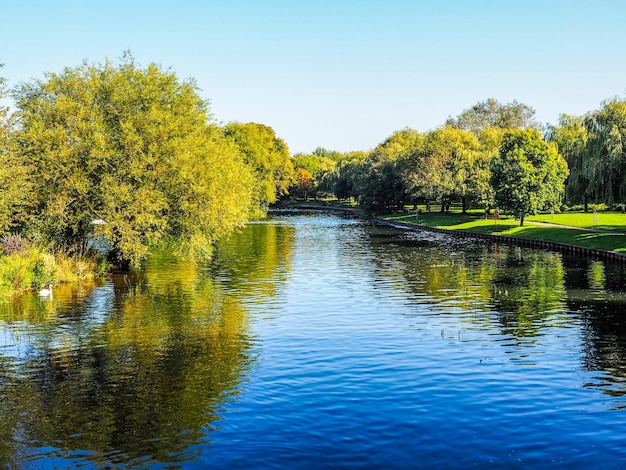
(510, 227)
(611, 221)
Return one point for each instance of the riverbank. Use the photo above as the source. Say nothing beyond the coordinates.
(601, 235)
(25, 268)
(607, 243)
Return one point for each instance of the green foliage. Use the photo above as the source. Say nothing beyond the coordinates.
(135, 148)
(14, 185)
(528, 175)
(317, 166)
(341, 180)
(571, 137)
(268, 157)
(310, 171)
(378, 182)
(26, 270)
(400, 144)
(492, 113)
(604, 159)
(450, 162)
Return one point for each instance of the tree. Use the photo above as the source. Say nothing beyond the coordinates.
(492, 113)
(528, 175)
(379, 185)
(400, 143)
(570, 136)
(318, 168)
(135, 148)
(268, 158)
(604, 158)
(14, 183)
(341, 180)
(305, 182)
(446, 165)
(378, 180)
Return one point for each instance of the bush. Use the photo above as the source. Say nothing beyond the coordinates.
(13, 243)
(27, 270)
(15, 274)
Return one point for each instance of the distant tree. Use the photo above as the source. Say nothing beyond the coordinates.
(528, 175)
(269, 159)
(400, 143)
(135, 148)
(316, 165)
(448, 164)
(570, 136)
(604, 158)
(379, 185)
(325, 153)
(340, 181)
(379, 181)
(317, 168)
(305, 182)
(492, 113)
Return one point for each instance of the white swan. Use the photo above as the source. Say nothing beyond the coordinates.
(45, 292)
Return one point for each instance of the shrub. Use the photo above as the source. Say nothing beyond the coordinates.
(26, 270)
(13, 243)
(15, 274)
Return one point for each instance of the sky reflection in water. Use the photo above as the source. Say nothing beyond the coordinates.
(316, 341)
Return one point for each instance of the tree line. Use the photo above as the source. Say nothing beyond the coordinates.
(492, 155)
(131, 155)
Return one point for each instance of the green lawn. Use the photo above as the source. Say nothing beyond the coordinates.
(612, 222)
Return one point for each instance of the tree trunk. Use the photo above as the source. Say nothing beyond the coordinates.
(586, 202)
(443, 204)
(463, 203)
(521, 220)
(428, 205)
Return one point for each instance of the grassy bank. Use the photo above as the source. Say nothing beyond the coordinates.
(602, 231)
(25, 268)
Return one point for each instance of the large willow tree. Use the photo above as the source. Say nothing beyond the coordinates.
(134, 148)
(604, 156)
(14, 186)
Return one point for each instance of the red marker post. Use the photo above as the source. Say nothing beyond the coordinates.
(495, 215)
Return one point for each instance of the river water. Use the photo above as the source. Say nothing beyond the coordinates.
(315, 341)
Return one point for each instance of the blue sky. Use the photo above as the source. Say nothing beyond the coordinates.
(340, 74)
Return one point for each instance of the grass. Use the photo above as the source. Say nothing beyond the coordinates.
(559, 232)
(609, 221)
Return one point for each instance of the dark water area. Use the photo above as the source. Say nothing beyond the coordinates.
(315, 341)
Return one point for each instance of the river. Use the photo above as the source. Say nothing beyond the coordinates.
(317, 341)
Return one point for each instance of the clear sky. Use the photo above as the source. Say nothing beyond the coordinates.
(339, 74)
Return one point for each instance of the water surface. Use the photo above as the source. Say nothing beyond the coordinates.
(314, 341)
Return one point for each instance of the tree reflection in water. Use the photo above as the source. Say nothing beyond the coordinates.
(137, 368)
(527, 292)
